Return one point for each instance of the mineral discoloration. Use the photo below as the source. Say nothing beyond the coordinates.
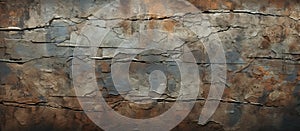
(260, 39)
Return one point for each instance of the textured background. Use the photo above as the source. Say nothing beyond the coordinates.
(260, 38)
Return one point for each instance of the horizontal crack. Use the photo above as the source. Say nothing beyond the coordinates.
(48, 24)
(274, 58)
(26, 61)
(117, 103)
(37, 104)
(246, 12)
(21, 29)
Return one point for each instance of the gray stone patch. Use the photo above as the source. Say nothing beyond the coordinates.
(58, 32)
(234, 114)
(4, 71)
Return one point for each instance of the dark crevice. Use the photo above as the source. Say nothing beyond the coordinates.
(47, 25)
(273, 58)
(245, 12)
(26, 61)
(37, 104)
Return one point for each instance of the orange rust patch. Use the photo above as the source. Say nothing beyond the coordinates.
(202, 4)
(169, 25)
(155, 7)
(260, 72)
(261, 69)
(269, 84)
(228, 4)
(213, 4)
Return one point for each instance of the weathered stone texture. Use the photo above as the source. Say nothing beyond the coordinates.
(260, 39)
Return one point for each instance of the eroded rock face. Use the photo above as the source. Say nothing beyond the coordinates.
(260, 40)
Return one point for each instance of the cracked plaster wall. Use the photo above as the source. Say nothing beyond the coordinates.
(260, 38)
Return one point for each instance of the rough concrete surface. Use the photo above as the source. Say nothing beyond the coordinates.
(260, 39)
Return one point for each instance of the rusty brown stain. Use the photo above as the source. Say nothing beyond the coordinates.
(12, 79)
(278, 3)
(14, 13)
(298, 28)
(226, 93)
(231, 5)
(105, 66)
(16, 18)
(127, 28)
(265, 44)
(3, 15)
(151, 24)
(298, 75)
(259, 72)
(268, 85)
(155, 8)
(169, 25)
(213, 4)
(294, 47)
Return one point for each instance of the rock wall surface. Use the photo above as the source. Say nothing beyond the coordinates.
(260, 39)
